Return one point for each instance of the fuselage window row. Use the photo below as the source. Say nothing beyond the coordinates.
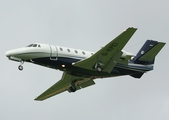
(68, 50)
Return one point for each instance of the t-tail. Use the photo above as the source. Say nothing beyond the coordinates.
(147, 54)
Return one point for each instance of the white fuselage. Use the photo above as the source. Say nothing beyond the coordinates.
(45, 50)
(39, 50)
(63, 58)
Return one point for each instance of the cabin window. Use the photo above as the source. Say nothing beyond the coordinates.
(76, 51)
(68, 50)
(35, 45)
(61, 49)
(39, 46)
(83, 52)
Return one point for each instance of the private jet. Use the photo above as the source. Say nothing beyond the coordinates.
(80, 68)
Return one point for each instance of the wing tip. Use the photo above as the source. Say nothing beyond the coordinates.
(130, 28)
(38, 99)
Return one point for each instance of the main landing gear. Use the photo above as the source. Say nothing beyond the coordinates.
(98, 67)
(20, 67)
(72, 87)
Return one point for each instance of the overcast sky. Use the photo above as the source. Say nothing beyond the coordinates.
(88, 25)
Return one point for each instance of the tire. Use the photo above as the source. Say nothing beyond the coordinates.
(72, 89)
(99, 69)
(20, 67)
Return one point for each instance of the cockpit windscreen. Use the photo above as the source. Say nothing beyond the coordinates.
(34, 45)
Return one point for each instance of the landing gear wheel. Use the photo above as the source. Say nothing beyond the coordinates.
(72, 89)
(20, 67)
(99, 69)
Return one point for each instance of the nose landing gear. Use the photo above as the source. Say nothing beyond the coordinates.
(20, 67)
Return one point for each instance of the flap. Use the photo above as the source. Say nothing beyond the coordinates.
(87, 84)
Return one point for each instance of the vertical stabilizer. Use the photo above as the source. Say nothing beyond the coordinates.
(148, 52)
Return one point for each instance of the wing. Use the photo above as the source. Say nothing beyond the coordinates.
(64, 84)
(107, 57)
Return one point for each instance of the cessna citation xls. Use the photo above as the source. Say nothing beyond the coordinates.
(81, 67)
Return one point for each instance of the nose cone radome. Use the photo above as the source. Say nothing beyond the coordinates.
(11, 53)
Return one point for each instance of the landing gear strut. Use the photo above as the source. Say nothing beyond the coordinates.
(20, 67)
(98, 67)
(72, 87)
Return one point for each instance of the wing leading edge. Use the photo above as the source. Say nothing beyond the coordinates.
(64, 85)
(108, 56)
(61, 86)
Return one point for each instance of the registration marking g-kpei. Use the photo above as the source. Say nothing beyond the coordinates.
(110, 48)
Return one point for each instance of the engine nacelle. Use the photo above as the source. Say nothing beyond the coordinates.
(126, 54)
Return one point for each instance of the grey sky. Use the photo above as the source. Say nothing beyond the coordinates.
(88, 25)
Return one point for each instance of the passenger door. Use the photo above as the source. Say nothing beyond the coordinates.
(53, 52)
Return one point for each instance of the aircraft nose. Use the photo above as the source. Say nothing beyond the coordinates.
(10, 53)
